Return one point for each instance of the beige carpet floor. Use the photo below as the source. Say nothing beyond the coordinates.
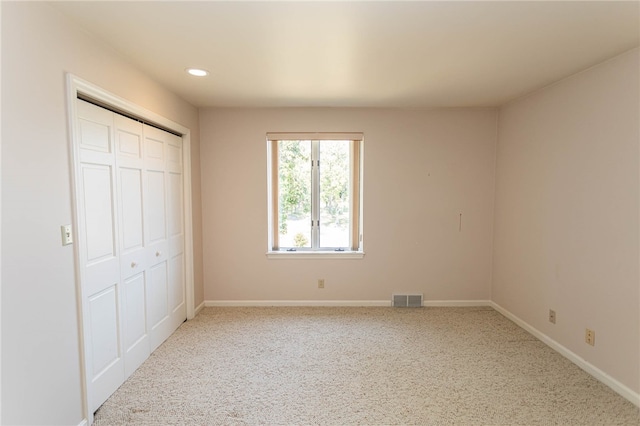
(360, 366)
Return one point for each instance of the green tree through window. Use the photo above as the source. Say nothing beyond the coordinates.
(294, 175)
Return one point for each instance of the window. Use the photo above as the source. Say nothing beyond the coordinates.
(315, 193)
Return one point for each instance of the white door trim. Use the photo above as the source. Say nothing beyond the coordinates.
(77, 86)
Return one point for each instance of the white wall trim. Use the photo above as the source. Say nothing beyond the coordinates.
(346, 303)
(188, 225)
(455, 303)
(315, 255)
(198, 308)
(594, 371)
(83, 423)
(323, 303)
(0, 245)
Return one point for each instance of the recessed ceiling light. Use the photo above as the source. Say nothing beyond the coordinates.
(197, 72)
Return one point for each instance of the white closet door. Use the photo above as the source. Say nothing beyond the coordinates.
(99, 252)
(131, 243)
(175, 221)
(155, 151)
(133, 259)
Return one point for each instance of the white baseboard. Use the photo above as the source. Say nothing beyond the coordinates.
(329, 303)
(455, 303)
(83, 423)
(322, 303)
(600, 375)
(198, 308)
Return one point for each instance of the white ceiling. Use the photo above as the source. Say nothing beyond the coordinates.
(369, 54)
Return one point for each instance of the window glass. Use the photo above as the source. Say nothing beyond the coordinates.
(294, 193)
(335, 197)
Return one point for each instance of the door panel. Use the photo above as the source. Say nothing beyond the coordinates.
(176, 295)
(129, 143)
(136, 336)
(99, 252)
(157, 243)
(159, 324)
(154, 150)
(174, 154)
(156, 206)
(101, 275)
(131, 204)
(154, 153)
(166, 233)
(131, 197)
(95, 136)
(104, 329)
(175, 204)
(98, 211)
(158, 294)
(135, 301)
(176, 247)
(95, 128)
(107, 366)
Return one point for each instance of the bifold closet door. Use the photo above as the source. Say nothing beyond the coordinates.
(163, 161)
(99, 252)
(158, 246)
(133, 257)
(175, 228)
(131, 241)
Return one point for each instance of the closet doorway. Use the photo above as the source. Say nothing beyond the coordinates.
(133, 234)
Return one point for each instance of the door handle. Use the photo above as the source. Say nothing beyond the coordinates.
(134, 264)
(158, 253)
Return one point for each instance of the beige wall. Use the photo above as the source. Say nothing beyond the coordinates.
(422, 169)
(566, 215)
(40, 346)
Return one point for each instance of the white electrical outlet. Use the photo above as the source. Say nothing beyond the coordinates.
(552, 316)
(67, 237)
(321, 283)
(590, 337)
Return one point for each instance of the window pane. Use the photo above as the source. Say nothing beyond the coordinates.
(334, 193)
(294, 190)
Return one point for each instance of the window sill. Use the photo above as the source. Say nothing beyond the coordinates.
(315, 255)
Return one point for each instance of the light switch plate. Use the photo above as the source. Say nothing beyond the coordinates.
(67, 238)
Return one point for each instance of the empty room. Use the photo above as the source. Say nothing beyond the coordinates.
(331, 213)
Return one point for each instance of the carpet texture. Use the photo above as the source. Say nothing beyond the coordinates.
(360, 366)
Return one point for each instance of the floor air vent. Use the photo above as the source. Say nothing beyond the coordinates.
(407, 300)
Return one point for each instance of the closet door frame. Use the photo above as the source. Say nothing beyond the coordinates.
(75, 87)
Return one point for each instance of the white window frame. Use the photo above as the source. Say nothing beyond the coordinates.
(355, 251)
